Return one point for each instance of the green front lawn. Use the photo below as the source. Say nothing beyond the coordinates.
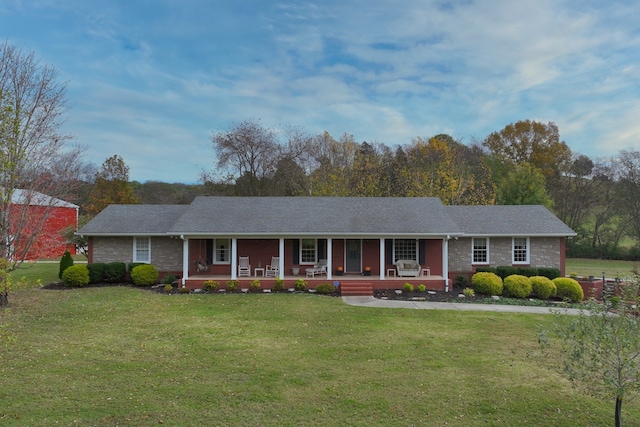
(122, 356)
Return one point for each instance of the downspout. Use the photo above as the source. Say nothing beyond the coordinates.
(445, 262)
(185, 260)
(329, 258)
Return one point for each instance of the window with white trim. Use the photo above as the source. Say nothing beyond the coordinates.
(308, 251)
(405, 249)
(222, 251)
(480, 250)
(142, 249)
(520, 250)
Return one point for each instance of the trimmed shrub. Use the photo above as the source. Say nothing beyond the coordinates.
(486, 270)
(133, 265)
(461, 280)
(168, 279)
(254, 285)
(568, 288)
(65, 262)
(278, 285)
(407, 287)
(505, 271)
(232, 285)
(76, 276)
(325, 289)
(144, 275)
(96, 272)
(487, 283)
(168, 288)
(527, 271)
(211, 285)
(422, 288)
(549, 272)
(542, 287)
(300, 285)
(114, 272)
(468, 292)
(517, 286)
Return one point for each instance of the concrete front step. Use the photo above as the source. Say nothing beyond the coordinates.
(356, 289)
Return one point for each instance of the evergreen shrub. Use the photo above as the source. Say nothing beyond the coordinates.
(114, 272)
(96, 272)
(517, 286)
(542, 287)
(487, 283)
(144, 275)
(505, 271)
(549, 272)
(76, 276)
(65, 262)
(568, 288)
(325, 289)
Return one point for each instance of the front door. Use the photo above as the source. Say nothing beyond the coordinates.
(354, 250)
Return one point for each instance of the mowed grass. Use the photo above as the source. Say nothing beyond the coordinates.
(595, 267)
(122, 356)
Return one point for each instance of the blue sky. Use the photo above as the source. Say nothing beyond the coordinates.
(152, 80)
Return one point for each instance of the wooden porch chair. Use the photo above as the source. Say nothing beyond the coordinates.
(244, 268)
(273, 269)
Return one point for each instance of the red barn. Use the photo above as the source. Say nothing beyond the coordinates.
(39, 222)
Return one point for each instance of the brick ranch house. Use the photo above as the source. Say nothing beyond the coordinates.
(205, 240)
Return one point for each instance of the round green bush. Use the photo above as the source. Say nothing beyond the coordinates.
(325, 289)
(487, 283)
(300, 285)
(517, 286)
(76, 276)
(407, 287)
(144, 275)
(568, 288)
(542, 287)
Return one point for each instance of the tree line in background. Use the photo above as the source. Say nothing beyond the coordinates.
(524, 163)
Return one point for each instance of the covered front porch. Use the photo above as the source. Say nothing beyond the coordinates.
(345, 260)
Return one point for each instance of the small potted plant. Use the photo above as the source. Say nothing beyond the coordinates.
(367, 271)
(339, 271)
(295, 270)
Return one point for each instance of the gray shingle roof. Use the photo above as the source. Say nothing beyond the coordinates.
(333, 216)
(315, 215)
(134, 219)
(524, 220)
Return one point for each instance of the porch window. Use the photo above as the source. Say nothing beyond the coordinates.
(480, 250)
(222, 251)
(520, 250)
(142, 249)
(405, 249)
(308, 251)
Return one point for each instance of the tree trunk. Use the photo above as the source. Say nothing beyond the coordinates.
(618, 411)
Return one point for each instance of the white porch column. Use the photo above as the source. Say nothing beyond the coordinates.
(185, 260)
(281, 259)
(234, 257)
(329, 257)
(382, 263)
(445, 262)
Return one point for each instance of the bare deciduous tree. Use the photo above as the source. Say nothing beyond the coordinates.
(37, 166)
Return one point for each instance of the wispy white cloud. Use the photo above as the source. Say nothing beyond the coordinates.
(152, 83)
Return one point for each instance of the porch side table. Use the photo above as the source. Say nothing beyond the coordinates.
(258, 269)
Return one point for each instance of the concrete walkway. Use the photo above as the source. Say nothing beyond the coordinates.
(427, 305)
